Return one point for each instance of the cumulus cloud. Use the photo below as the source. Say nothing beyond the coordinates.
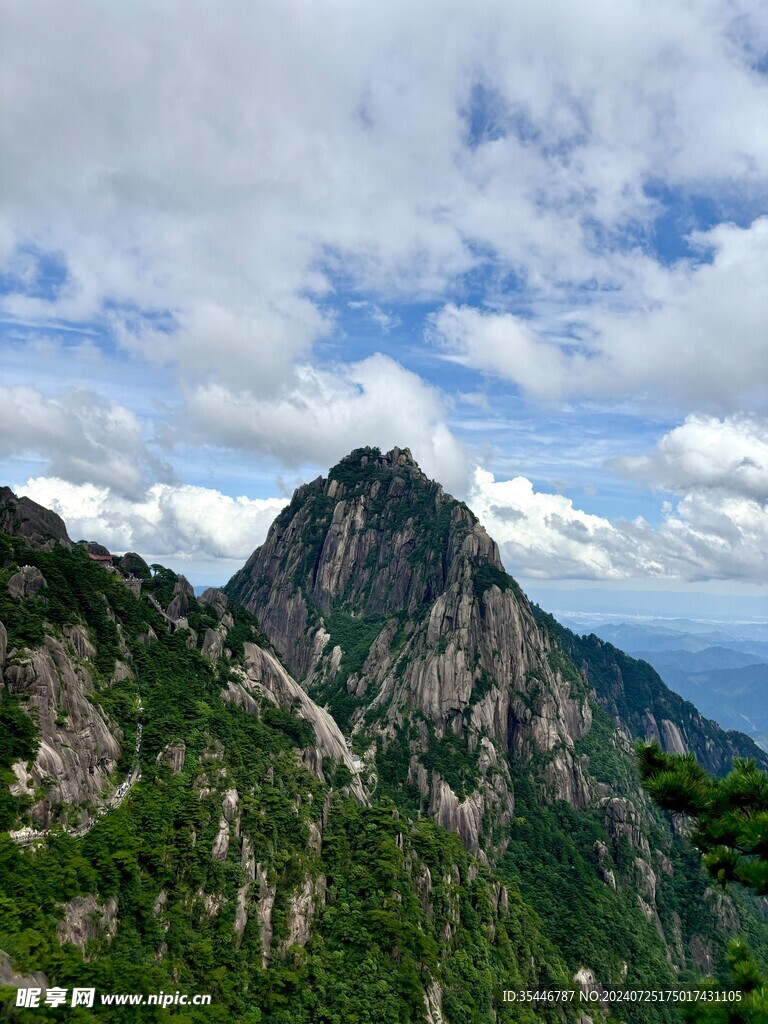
(82, 436)
(254, 347)
(540, 535)
(544, 536)
(706, 453)
(505, 345)
(178, 520)
(266, 156)
(324, 414)
(699, 337)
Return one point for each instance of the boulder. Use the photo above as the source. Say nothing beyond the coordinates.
(27, 582)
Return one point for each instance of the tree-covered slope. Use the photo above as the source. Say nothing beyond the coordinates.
(245, 860)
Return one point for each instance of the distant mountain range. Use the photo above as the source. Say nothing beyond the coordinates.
(722, 668)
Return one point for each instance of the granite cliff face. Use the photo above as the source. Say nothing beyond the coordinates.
(387, 600)
(79, 745)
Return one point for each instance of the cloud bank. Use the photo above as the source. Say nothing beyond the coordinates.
(698, 337)
(193, 524)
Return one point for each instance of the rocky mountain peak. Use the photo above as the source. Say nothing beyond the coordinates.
(376, 537)
(38, 526)
(370, 462)
(388, 601)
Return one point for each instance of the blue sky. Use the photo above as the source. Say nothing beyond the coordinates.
(529, 244)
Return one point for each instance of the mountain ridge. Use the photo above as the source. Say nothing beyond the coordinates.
(491, 803)
(482, 703)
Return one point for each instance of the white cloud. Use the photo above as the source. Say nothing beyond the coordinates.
(324, 414)
(706, 453)
(255, 348)
(178, 520)
(545, 536)
(701, 337)
(82, 437)
(504, 345)
(226, 169)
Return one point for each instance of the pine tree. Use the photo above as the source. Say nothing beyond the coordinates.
(729, 819)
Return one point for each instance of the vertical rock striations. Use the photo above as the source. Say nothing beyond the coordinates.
(388, 601)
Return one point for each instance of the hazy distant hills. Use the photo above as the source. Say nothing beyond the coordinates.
(734, 697)
(722, 668)
(707, 660)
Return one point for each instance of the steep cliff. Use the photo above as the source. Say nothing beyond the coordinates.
(38, 526)
(388, 601)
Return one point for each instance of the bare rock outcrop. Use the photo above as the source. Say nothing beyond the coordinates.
(585, 980)
(264, 906)
(159, 908)
(221, 842)
(215, 599)
(433, 1003)
(701, 955)
(605, 864)
(672, 740)
(13, 979)
(132, 564)
(213, 643)
(212, 902)
(27, 582)
(304, 904)
(248, 866)
(148, 636)
(623, 821)
(86, 919)
(179, 607)
(37, 526)
(79, 640)
(264, 675)
(464, 817)
(721, 906)
(78, 745)
(173, 754)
